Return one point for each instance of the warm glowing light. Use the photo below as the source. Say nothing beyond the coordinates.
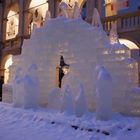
(38, 8)
(8, 63)
(35, 3)
(131, 45)
(12, 25)
(41, 5)
(65, 69)
(71, 2)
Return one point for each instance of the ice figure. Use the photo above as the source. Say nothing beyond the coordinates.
(80, 44)
(80, 102)
(96, 22)
(54, 99)
(104, 89)
(67, 101)
(64, 9)
(31, 86)
(48, 15)
(113, 36)
(18, 89)
(76, 11)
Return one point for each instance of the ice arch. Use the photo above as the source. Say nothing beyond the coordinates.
(83, 47)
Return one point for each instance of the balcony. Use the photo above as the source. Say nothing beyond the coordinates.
(125, 23)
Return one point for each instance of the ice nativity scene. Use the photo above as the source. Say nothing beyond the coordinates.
(74, 67)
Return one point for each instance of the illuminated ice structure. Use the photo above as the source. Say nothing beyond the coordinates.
(83, 47)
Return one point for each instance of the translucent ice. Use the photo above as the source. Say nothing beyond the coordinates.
(18, 89)
(31, 88)
(67, 101)
(76, 11)
(54, 99)
(104, 91)
(80, 102)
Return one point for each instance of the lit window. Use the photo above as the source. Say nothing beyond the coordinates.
(12, 24)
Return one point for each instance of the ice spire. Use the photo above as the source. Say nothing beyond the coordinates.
(113, 36)
(76, 11)
(104, 89)
(96, 19)
(63, 9)
(80, 102)
(68, 103)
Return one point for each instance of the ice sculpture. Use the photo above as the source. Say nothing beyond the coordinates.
(104, 91)
(67, 101)
(31, 88)
(81, 45)
(80, 102)
(18, 88)
(54, 99)
(96, 22)
(76, 11)
(114, 40)
(63, 9)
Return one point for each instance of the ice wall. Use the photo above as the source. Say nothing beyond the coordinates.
(83, 48)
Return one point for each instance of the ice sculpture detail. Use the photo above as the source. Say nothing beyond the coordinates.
(76, 11)
(67, 101)
(96, 22)
(80, 102)
(64, 9)
(104, 91)
(82, 45)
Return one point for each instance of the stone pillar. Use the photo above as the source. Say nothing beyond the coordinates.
(52, 7)
(91, 4)
(99, 3)
(1, 23)
(21, 18)
(90, 7)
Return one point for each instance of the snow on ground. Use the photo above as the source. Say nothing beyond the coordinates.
(44, 124)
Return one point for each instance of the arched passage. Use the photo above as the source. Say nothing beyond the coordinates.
(12, 23)
(6, 63)
(35, 14)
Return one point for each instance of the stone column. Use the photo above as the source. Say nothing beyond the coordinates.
(21, 18)
(1, 23)
(98, 6)
(52, 7)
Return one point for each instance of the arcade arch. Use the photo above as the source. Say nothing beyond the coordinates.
(12, 22)
(35, 13)
(7, 62)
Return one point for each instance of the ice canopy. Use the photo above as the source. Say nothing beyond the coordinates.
(82, 46)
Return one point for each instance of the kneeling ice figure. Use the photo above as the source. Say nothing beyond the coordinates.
(80, 102)
(67, 101)
(18, 89)
(54, 99)
(31, 86)
(104, 89)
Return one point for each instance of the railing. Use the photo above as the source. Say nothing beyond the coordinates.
(125, 22)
